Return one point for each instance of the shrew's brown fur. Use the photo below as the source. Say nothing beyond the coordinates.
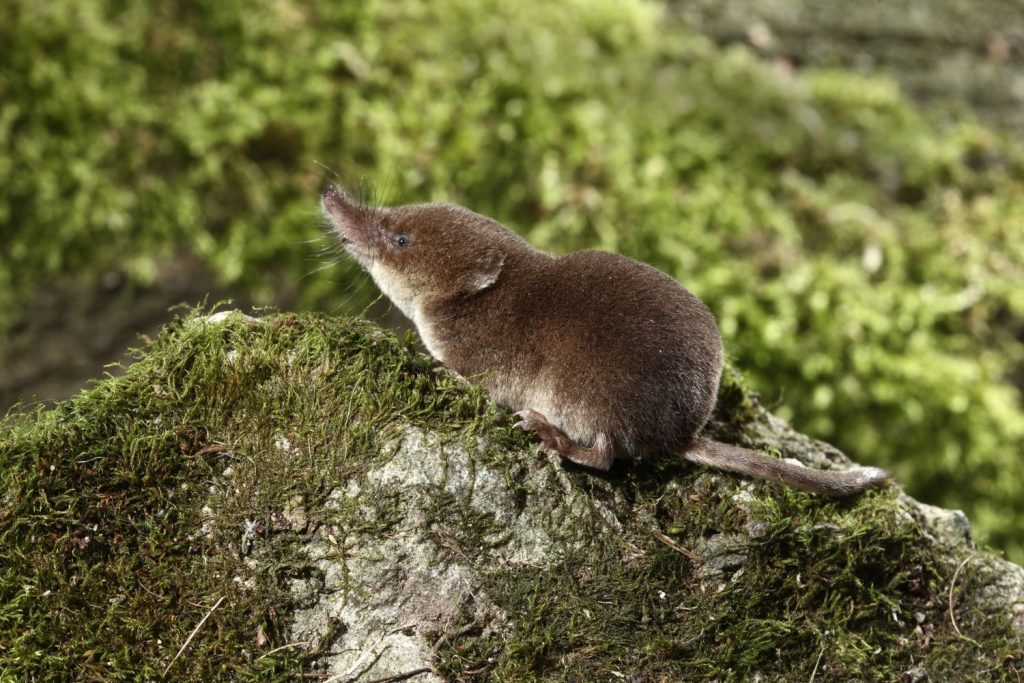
(603, 356)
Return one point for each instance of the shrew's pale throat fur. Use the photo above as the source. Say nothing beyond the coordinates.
(600, 355)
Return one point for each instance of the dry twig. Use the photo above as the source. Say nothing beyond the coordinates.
(302, 643)
(675, 546)
(817, 663)
(952, 585)
(193, 635)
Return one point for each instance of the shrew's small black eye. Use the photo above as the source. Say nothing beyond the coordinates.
(402, 241)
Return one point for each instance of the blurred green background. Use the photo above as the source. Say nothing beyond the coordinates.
(865, 257)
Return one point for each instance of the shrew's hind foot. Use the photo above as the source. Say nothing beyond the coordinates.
(599, 456)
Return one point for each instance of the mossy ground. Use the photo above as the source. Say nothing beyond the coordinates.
(129, 511)
(852, 590)
(863, 261)
(103, 568)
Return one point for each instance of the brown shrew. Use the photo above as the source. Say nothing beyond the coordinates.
(600, 355)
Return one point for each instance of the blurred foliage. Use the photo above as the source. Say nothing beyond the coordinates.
(865, 263)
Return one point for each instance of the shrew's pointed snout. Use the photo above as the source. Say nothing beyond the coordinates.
(334, 201)
(342, 211)
(353, 222)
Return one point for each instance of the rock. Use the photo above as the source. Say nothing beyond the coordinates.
(368, 515)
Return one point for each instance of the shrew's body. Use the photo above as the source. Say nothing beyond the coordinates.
(601, 355)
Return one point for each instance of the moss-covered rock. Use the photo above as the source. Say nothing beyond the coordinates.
(864, 262)
(255, 499)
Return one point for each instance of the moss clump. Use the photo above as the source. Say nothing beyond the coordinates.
(110, 553)
(205, 473)
(775, 585)
(865, 263)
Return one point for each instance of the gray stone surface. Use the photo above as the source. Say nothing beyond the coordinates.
(379, 602)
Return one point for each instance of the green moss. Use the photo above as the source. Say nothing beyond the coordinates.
(108, 558)
(864, 262)
(131, 509)
(838, 588)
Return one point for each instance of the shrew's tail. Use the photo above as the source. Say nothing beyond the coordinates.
(834, 484)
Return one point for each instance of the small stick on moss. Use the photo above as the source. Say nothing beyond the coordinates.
(952, 585)
(192, 635)
(675, 546)
(301, 643)
(402, 677)
(158, 597)
(816, 663)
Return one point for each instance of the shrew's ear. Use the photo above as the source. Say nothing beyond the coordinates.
(486, 271)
